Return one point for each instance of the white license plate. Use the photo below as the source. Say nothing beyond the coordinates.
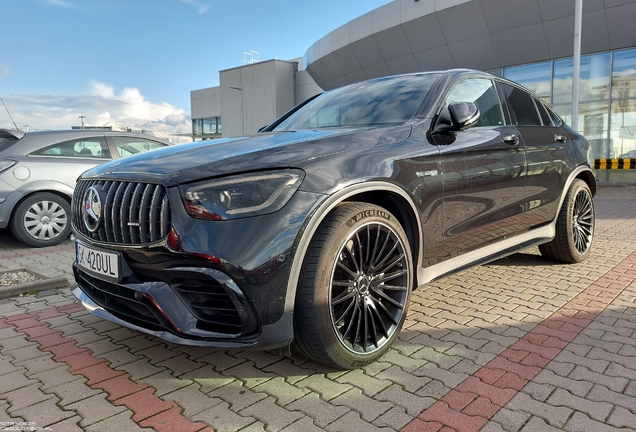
(97, 261)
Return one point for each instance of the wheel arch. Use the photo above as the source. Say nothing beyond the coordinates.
(582, 172)
(36, 192)
(588, 177)
(386, 195)
(402, 210)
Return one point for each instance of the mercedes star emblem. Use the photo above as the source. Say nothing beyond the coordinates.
(92, 208)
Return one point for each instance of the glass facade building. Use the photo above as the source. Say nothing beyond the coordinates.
(607, 101)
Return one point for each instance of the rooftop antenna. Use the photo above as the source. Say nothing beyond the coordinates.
(5, 107)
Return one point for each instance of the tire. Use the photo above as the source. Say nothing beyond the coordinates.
(43, 219)
(354, 288)
(574, 228)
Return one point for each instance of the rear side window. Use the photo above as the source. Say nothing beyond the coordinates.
(545, 117)
(522, 107)
(7, 141)
(556, 120)
(94, 147)
(127, 146)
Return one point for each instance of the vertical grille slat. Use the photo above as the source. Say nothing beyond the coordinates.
(123, 213)
(163, 217)
(144, 211)
(114, 221)
(110, 199)
(133, 213)
(156, 199)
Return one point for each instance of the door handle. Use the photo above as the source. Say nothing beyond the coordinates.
(511, 139)
(560, 138)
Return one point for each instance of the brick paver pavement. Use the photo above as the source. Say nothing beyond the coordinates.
(521, 344)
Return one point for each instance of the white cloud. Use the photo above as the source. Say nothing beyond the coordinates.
(4, 70)
(101, 105)
(626, 73)
(201, 7)
(102, 90)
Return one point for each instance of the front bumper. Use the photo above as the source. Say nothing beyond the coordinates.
(270, 336)
(221, 284)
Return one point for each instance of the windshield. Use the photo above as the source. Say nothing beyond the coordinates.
(383, 101)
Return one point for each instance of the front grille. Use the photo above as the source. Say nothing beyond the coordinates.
(132, 213)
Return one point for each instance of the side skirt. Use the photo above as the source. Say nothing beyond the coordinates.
(487, 254)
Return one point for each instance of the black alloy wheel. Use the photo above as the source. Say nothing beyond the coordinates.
(574, 226)
(369, 284)
(355, 287)
(583, 221)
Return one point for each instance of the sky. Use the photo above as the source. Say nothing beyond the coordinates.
(134, 62)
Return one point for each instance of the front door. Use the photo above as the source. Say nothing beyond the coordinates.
(483, 174)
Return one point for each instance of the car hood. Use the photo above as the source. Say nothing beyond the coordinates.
(206, 159)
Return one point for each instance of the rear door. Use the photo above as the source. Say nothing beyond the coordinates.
(483, 174)
(547, 148)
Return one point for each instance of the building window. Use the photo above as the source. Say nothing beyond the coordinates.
(623, 131)
(204, 128)
(607, 101)
(562, 81)
(624, 74)
(595, 78)
(623, 107)
(209, 125)
(535, 77)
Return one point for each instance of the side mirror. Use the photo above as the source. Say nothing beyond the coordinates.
(463, 114)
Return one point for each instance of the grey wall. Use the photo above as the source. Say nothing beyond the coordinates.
(205, 102)
(270, 89)
(268, 92)
(306, 87)
(407, 36)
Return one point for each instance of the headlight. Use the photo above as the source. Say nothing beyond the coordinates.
(5, 164)
(240, 196)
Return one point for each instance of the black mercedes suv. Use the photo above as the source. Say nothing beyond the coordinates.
(315, 231)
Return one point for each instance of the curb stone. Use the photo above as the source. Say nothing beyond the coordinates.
(40, 285)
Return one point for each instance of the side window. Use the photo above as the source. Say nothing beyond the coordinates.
(94, 147)
(522, 107)
(555, 118)
(127, 146)
(545, 117)
(483, 94)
